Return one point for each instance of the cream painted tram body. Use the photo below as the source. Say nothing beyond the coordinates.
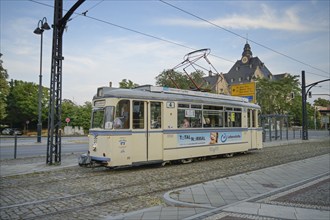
(158, 124)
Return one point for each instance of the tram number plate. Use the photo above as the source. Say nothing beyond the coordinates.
(170, 104)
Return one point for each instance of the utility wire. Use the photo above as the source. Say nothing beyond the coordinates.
(238, 35)
(84, 14)
(151, 36)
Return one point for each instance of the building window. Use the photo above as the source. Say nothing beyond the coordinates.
(232, 80)
(240, 79)
(248, 78)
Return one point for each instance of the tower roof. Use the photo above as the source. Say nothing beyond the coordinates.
(247, 50)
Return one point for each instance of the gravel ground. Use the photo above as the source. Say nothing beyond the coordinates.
(92, 193)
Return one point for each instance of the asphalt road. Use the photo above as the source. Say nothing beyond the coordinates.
(28, 146)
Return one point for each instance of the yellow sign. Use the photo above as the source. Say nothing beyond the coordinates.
(246, 90)
(232, 118)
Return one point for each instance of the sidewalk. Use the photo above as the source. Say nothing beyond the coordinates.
(21, 166)
(297, 190)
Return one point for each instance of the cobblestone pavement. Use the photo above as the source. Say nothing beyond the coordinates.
(94, 193)
(306, 201)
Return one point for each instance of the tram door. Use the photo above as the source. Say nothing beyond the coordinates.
(253, 125)
(147, 141)
(155, 135)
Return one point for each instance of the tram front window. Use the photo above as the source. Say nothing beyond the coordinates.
(103, 117)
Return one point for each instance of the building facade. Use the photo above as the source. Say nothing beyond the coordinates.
(247, 69)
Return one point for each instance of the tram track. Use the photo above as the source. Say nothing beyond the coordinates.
(117, 189)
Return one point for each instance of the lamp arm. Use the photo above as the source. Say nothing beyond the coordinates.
(62, 22)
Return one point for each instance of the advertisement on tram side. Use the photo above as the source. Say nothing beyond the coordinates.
(209, 138)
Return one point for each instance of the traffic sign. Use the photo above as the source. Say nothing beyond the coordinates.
(247, 90)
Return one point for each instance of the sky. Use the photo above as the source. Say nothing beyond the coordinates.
(137, 40)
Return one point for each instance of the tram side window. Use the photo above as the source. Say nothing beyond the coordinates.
(156, 115)
(122, 115)
(212, 118)
(196, 122)
(254, 118)
(183, 122)
(189, 118)
(138, 114)
(238, 119)
(233, 119)
(249, 118)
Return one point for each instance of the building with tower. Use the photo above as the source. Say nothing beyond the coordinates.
(247, 69)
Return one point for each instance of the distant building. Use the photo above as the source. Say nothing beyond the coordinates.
(247, 69)
(325, 116)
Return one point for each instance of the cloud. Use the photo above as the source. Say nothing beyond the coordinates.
(268, 18)
(114, 59)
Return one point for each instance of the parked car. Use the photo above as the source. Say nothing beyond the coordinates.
(6, 131)
(12, 131)
(16, 131)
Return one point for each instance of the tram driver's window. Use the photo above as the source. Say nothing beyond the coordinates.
(138, 114)
(156, 115)
(122, 115)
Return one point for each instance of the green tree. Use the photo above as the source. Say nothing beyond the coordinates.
(85, 115)
(22, 103)
(79, 115)
(321, 102)
(280, 97)
(317, 114)
(127, 84)
(4, 91)
(173, 79)
(69, 110)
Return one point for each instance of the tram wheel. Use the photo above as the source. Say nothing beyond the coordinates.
(165, 163)
(189, 160)
(229, 155)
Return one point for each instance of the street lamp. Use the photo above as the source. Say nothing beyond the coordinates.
(42, 25)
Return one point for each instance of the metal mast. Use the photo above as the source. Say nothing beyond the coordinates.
(55, 96)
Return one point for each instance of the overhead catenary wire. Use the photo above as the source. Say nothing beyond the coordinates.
(84, 14)
(89, 9)
(238, 35)
(132, 30)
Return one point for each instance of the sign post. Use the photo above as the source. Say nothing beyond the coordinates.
(67, 120)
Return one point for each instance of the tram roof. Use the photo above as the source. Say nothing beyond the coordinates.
(170, 94)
